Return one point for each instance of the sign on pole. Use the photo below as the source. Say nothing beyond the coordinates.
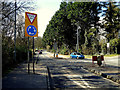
(108, 45)
(31, 27)
(119, 34)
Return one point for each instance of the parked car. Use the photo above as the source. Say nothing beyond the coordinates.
(36, 50)
(40, 51)
(76, 55)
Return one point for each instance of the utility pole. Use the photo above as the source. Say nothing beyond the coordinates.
(15, 35)
(77, 46)
(78, 27)
(54, 48)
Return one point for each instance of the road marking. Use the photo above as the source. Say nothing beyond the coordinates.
(86, 85)
(80, 76)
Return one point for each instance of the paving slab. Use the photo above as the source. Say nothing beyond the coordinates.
(19, 77)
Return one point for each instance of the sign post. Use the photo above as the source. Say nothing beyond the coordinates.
(55, 48)
(31, 30)
(28, 58)
(108, 48)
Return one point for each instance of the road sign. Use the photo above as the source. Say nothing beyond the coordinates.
(119, 34)
(108, 45)
(31, 28)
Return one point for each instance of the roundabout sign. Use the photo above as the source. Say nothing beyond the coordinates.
(31, 30)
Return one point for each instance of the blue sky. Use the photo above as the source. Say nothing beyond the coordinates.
(45, 10)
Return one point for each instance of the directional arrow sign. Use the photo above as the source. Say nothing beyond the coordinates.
(31, 28)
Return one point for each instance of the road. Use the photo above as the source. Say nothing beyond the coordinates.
(68, 73)
(114, 61)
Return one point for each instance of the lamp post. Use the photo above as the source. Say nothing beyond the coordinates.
(54, 47)
(77, 39)
(77, 45)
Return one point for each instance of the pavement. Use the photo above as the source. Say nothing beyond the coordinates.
(107, 71)
(20, 79)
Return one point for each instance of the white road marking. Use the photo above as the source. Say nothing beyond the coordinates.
(86, 85)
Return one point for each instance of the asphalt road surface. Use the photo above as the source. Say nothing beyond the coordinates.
(68, 73)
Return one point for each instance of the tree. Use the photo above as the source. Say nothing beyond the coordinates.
(38, 43)
(111, 23)
(7, 30)
(62, 26)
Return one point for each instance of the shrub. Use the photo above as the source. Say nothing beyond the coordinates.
(48, 48)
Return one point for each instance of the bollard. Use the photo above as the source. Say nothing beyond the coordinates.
(94, 58)
(56, 55)
(99, 61)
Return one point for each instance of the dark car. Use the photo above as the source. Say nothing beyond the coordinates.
(40, 51)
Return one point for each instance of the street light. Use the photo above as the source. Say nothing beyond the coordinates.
(78, 27)
(54, 47)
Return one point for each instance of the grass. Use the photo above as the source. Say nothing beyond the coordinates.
(88, 56)
(111, 55)
(107, 55)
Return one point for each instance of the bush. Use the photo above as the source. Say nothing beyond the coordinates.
(8, 61)
(48, 48)
(64, 51)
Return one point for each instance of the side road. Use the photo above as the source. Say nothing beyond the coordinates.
(19, 78)
(107, 71)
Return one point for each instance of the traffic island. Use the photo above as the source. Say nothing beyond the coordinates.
(109, 72)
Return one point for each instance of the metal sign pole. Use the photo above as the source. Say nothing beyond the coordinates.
(15, 35)
(33, 57)
(28, 58)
